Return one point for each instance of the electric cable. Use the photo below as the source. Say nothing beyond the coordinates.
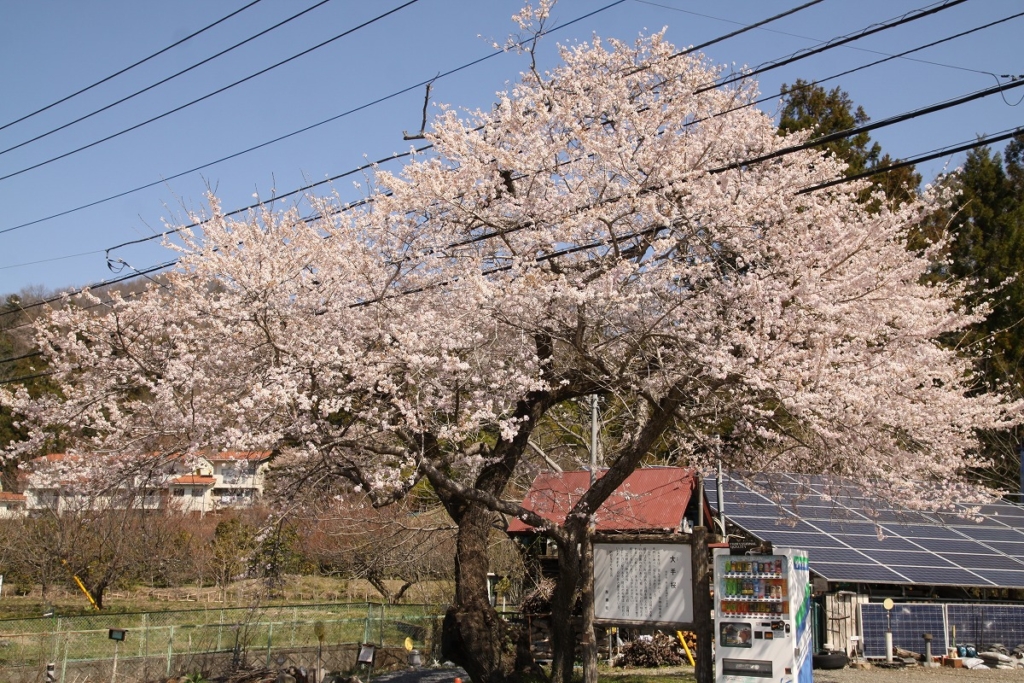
(164, 80)
(803, 54)
(721, 169)
(837, 42)
(787, 150)
(802, 37)
(128, 68)
(210, 94)
(732, 34)
(22, 357)
(980, 142)
(930, 156)
(306, 128)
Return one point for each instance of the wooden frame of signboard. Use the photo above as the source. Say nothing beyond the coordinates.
(634, 587)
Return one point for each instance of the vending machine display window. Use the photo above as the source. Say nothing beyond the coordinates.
(735, 634)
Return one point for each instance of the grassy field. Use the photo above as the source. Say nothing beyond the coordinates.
(295, 590)
(666, 674)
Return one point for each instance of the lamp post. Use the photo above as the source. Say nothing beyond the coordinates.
(888, 604)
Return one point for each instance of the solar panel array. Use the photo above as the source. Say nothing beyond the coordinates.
(850, 537)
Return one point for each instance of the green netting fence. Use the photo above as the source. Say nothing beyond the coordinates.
(175, 641)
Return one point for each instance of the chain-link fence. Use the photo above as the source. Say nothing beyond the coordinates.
(325, 636)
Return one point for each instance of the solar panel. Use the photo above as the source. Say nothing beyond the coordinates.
(788, 539)
(983, 625)
(847, 528)
(868, 572)
(1009, 549)
(991, 534)
(908, 622)
(910, 558)
(944, 546)
(942, 576)
(840, 526)
(1005, 579)
(899, 517)
(870, 544)
(916, 531)
(986, 561)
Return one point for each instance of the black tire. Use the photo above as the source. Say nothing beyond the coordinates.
(830, 660)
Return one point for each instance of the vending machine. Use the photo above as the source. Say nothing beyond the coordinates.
(762, 617)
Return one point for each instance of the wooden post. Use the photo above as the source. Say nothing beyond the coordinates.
(703, 625)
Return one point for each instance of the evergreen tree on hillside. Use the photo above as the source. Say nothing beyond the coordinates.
(809, 106)
(986, 222)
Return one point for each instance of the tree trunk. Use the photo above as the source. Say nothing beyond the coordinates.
(563, 637)
(588, 637)
(705, 664)
(473, 635)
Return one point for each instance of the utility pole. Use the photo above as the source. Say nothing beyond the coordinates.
(589, 639)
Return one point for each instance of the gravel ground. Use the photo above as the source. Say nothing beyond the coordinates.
(427, 675)
(916, 674)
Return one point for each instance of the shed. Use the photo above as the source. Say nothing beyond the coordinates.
(651, 501)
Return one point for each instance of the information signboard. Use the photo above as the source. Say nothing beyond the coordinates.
(643, 582)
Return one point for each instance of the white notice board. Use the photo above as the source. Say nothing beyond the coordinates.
(643, 582)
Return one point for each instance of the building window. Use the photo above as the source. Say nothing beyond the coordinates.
(179, 492)
(197, 493)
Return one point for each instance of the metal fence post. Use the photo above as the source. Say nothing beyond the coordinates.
(170, 649)
(220, 629)
(366, 627)
(144, 636)
(382, 608)
(270, 641)
(64, 662)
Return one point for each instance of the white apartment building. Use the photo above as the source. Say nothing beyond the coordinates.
(200, 484)
(11, 505)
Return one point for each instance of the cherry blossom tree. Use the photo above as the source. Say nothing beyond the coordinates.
(604, 229)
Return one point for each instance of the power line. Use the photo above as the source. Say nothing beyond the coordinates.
(164, 80)
(837, 42)
(980, 142)
(867, 127)
(930, 156)
(721, 169)
(306, 128)
(209, 95)
(819, 141)
(14, 380)
(946, 151)
(797, 35)
(21, 357)
(887, 59)
(464, 66)
(910, 16)
(128, 68)
(678, 54)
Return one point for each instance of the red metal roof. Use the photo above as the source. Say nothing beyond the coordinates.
(11, 497)
(651, 499)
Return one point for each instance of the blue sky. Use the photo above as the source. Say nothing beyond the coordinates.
(51, 48)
